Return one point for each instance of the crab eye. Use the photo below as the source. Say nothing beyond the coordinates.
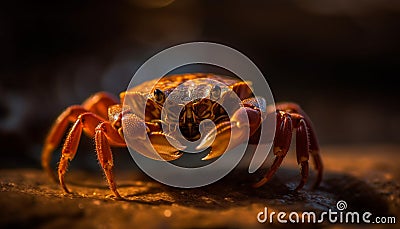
(215, 92)
(159, 95)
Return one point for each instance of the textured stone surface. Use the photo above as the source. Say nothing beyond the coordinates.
(367, 178)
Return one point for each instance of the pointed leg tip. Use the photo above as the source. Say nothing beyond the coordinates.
(64, 186)
(260, 183)
(256, 185)
(66, 190)
(62, 183)
(119, 198)
(299, 186)
(297, 189)
(116, 196)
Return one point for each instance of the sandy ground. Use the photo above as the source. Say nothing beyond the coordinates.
(366, 177)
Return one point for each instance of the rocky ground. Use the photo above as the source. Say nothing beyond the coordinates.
(366, 177)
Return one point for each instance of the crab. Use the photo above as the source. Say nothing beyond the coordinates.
(101, 115)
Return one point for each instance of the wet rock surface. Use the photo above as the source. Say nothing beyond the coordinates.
(367, 182)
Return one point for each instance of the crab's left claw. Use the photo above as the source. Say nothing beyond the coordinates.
(243, 123)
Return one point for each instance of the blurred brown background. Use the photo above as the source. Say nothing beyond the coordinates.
(339, 59)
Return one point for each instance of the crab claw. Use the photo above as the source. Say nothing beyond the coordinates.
(220, 137)
(154, 145)
(165, 146)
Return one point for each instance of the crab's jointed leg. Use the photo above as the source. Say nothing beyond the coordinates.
(55, 135)
(302, 149)
(98, 103)
(313, 141)
(104, 135)
(283, 137)
(289, 118)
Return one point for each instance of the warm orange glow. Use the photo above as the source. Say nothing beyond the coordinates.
(152, 3)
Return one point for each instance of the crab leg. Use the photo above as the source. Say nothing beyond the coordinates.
(87, 122)
(313, 146)
(283, 137)
(286, 122)
(97, 103)
(302, 151)
(105, 133)
(56, 133)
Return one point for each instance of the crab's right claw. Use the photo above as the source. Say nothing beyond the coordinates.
(242, 124)
(154, 145)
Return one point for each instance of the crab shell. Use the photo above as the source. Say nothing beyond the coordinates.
(170, 111)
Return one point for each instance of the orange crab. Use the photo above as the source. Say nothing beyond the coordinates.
(100, 116)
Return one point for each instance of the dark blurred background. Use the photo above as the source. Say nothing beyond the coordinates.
(339, 59)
